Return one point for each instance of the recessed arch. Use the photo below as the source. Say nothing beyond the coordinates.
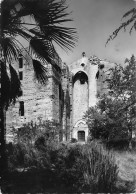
(80, 121)
(82, 76)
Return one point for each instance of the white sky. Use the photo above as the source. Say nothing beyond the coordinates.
(95, 20)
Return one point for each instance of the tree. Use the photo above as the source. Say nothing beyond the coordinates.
(114, 116)
(44, 28)
(131, 21)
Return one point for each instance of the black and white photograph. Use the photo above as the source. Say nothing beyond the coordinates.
(67, 96)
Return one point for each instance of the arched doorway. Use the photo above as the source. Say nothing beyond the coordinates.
(80, 131)
(81, 136)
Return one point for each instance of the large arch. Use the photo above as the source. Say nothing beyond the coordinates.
(82, 76)
(80, 100)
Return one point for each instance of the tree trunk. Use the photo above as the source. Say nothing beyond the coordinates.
(3, 158)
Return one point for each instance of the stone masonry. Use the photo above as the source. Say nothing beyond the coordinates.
(67, 95)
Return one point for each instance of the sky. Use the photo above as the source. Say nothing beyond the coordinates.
(94, 21)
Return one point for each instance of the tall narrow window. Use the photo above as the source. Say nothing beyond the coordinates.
(60, 92)
(21, 108)
(20, 61)
(21, 75)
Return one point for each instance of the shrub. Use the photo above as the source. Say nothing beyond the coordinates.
(100, 170)
(88, 168)
(32, 131)
(65, 166)
(83, 168)
(73, 140)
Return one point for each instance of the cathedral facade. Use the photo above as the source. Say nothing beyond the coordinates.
(67, 95)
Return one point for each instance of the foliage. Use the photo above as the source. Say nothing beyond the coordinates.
(31, 132)
(131, 20)
(70, 167)
(114, 115)
(31, 138)
(40, 24)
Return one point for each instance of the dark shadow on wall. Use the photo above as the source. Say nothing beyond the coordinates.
(80, 76)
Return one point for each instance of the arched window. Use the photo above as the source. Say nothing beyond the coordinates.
(81, 136)
(80, 76)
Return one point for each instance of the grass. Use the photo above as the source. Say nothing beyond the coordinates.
(126, 161)
(62, 167)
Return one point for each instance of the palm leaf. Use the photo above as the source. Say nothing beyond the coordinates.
(132, 21)
(26, 35)
(42, 49)
(64, 37)
(5, 84)
(9, 23)
(133, 27)
(50, 14)
(132, 11)
(15, 85)
(9, 49)
(40, 72)
(10, 85)
(36, 32)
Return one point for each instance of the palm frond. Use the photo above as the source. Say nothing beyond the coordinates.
(36, 32)
(132, 11)
(10, 85)
(49, 17)
(15, 85)
(5, 85)
(133, 27)
(132, 21)
(40, 72)
(26, 35)
(42, 49)
(9, 23)
(9, 49)
(64, 37)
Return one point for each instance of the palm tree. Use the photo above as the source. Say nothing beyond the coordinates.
(131, 21)
(45, 29)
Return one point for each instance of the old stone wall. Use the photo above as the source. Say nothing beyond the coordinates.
(39, 101)
(85, 94)
(67, 95)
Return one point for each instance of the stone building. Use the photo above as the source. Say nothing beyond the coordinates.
(67, 95)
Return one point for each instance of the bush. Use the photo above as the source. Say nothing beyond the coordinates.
(73, 140)
(113, 119)
(32, 131)
(69, 167)
(62, 166)
(100, 170)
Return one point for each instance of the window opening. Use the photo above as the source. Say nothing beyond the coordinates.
(21, 108)
(97, 74)
(20, 75)
(101, 66)
(60, 92)
(82, 64)
(80, 76)
(20, 62)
